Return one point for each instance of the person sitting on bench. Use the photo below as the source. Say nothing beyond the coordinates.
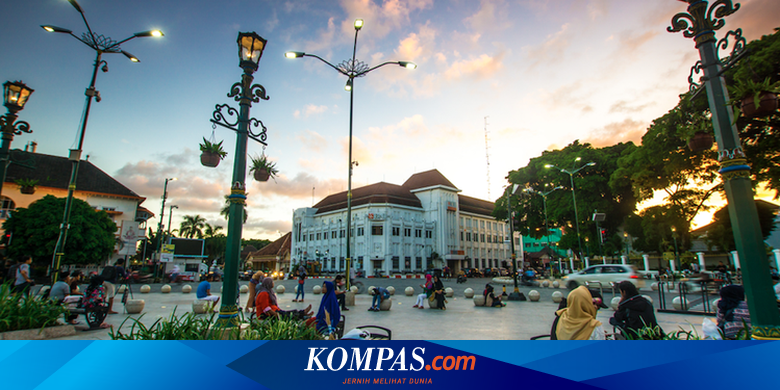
(204, 292)
(266, 305)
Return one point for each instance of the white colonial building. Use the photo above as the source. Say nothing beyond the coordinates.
(424, 223)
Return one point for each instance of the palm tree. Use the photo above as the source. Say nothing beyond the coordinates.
(211, 231)
(192, 226)
(226, 210)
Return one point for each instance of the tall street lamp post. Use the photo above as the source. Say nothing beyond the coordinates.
(546, 228)
(250, 50)
(515, 295)
(676, 252)
(100, 44)
(352, 69)
(15, 96)
(170, 214)
(160, 237)
(571, 174)
(700, 23)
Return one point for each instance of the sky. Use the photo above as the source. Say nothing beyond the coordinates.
(497, 83)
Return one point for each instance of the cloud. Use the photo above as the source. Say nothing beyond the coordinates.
(384, 18)
(270, 228)
(298, 187)
(482, 67)
(613, 133)
(313, 141)
(624, 107)
(488, 17)
(418, 46)
(310, 109)
(552, 49)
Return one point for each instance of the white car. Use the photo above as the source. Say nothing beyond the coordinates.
(604, 273)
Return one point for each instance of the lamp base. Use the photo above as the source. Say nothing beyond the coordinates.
(516, 296)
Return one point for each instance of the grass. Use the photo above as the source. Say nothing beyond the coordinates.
(19, 312)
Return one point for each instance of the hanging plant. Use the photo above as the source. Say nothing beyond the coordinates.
(27, 186)
(701, 141)
(212, 153)
(755, 99)
(263, 169)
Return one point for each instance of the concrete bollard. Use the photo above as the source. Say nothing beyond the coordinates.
(280, 289)
(614, 303)
(145, 289)
(165, 289)
(557, 296)
(409, 291)
(243, 289)
(534, 295)
(468, 293)
(186, 289)
(391, 290)
(134, 306)
(449, 292)
(386, 305)
(317, 289)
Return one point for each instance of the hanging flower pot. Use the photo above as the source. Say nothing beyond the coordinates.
(262, 174)
(27, 186)
(262, 169)
(701, 141)
(212, 153)
(761, 105)
(209, 159)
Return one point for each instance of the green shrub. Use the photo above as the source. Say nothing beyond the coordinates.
(20, 313)
(281, 329)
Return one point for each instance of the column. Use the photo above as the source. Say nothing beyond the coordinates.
(672, 266)
(571, 264)
(623, 259)
(777, 259)
(700, 255)
(587, 262)
(646, 260)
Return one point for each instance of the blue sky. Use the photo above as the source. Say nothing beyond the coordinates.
(544, 73)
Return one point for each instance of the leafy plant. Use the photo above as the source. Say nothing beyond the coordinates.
(262, 163)
(187, 327)
(281, 329)
(26, 182)
(749, 88)
(19, 313)
(213, 147)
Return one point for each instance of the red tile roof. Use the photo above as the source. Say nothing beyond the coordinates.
(378, 193)
(425, 179)
(280, 247)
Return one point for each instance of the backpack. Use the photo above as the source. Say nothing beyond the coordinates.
(109, 273)
(11, 275)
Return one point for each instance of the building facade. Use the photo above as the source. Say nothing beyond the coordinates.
(97, 188)
(422, 224)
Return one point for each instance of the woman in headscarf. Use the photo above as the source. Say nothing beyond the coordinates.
(266, 306)
(634, 314)
(491, 300)
(732, 311)
(426, 294)
(438, 292)
(578, 320)
(329, 314)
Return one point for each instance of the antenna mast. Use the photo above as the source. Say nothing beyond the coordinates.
(487, 158)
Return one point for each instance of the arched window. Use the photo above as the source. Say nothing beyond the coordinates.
(7, 207)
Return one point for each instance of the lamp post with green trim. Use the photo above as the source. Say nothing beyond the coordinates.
(250, 50)
(700, 23)
(15, 95)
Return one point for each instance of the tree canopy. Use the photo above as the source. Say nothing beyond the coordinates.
(35, 229)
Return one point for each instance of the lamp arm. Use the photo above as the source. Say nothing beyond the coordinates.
(116, 45)
(326, 62)
(379, 66)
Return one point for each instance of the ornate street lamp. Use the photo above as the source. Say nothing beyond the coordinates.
(100, 44)
(250, 50)
(352, 69)
(700, 23)
(571, 174)
(15, 96)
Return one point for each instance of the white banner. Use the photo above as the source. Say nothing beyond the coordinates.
(129, 234)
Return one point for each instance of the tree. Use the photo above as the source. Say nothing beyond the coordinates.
(211, 231)
(719, 233)
(594, 191)
(192, 226)
(91, 236)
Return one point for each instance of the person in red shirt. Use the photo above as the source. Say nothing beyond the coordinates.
(266, 305)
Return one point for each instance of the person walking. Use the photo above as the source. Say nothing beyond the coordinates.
(23, 281)
(300, 292)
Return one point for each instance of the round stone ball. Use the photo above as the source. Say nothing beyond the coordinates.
(679, 303)
(654, 286)
(186, 289)
(134, 306)
(468, 293)
(449, 292)
(479, 300)
(614, 303)
(199, 306)
(546, 283)
(386, 305)
(317, 289)
(534, 295)
(353, 289)
(371, 290)
(243, 289)
(280, 289)
(556, 284)
(557, 296)
(145, 289)
(391, 290)
(165, 289)
(409, 291)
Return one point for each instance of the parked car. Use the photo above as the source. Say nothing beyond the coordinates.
(604, 273)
